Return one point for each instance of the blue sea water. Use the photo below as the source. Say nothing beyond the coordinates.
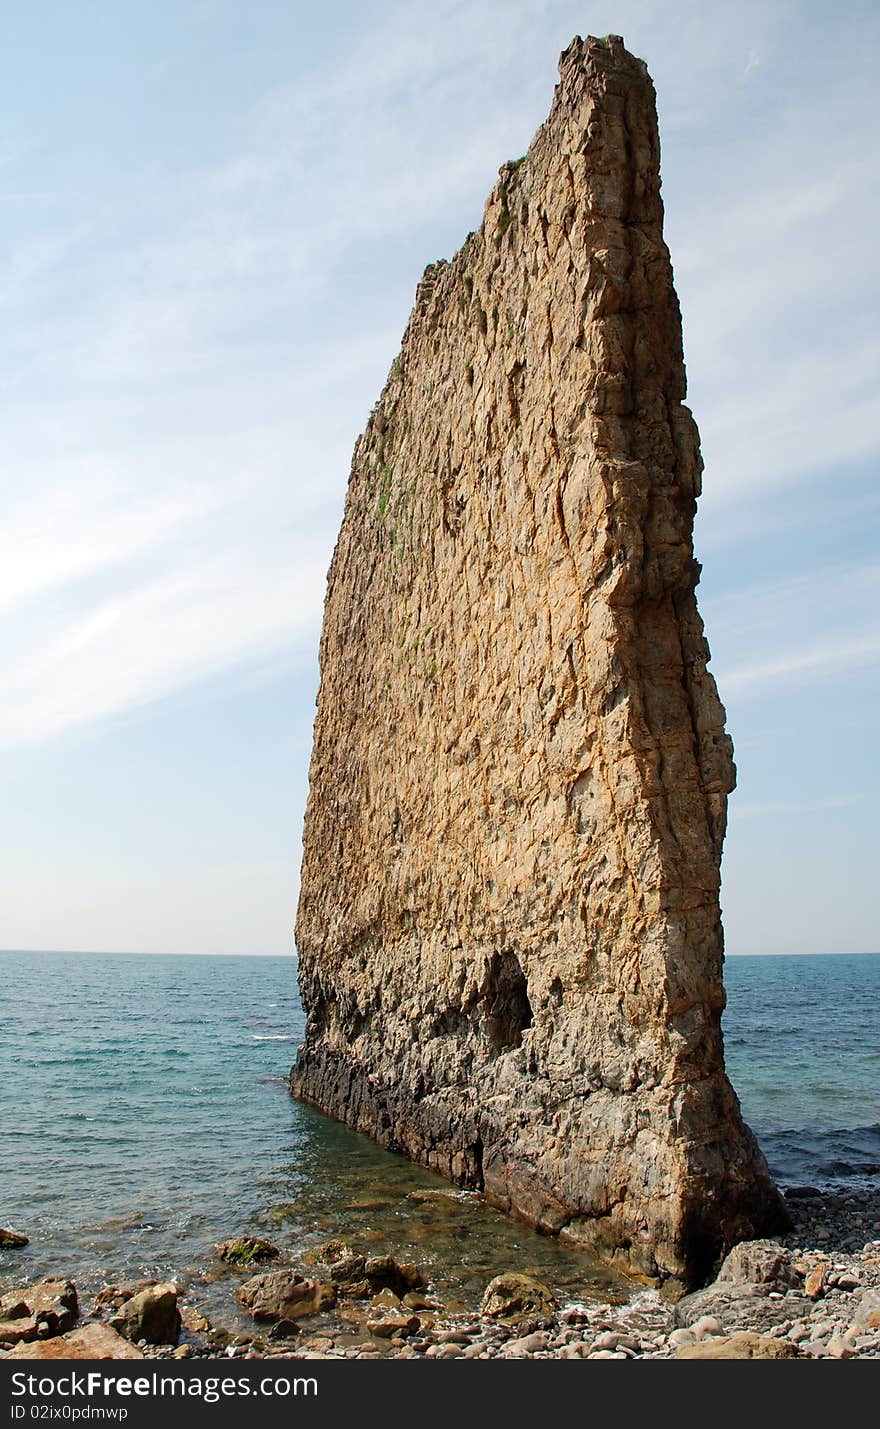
(145, 1115)
(802, 1045)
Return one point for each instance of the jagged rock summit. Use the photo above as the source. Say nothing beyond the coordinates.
(509, 933)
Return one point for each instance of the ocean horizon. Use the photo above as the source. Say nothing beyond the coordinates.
(134, 953)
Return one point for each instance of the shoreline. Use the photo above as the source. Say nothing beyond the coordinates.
(814, 1293)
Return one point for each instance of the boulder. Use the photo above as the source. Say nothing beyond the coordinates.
(329, 1253)
(740, 1307)
(18, 1328)
(348, 1269)
(739, 1347)
(513, 1297)
(385, 1327)
(284, 1295)
(246, 1250)
(48, 1307)
(385, 1273)
(194, 1321)
(89, 1342)
(112, 1297)
(740, 1297)
(867, 1311)
(12, 1240)
(151, 1315)
(759, 1262)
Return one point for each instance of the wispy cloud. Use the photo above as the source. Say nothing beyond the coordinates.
(817, 661)
(194, 345)
(803, 628)
(133, 649)
(788, 807)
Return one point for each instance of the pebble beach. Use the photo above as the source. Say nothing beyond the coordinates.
(813, 1295)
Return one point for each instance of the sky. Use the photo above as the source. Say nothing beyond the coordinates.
(214, 216)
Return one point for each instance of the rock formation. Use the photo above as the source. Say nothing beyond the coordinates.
(509, 933)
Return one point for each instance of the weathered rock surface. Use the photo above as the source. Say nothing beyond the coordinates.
(755, 1279)
(740, 1307)
(867, 1312)
(759, 1262)
(509, 932)
(151, 1315)
(12, 1240)
(47, 1307)
(89, 1342)
(284, 1295)
(516, 1297)
(739, 1347)
(246, 1250)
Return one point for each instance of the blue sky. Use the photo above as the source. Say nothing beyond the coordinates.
(214, 218)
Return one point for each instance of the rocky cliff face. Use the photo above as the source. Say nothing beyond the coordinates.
(509, 933)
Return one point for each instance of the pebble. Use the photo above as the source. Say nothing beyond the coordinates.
(606, 1341)
(707, 1325)
(528, 1344)
(837, 1268)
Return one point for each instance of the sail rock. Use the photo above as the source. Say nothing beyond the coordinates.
(509, 933)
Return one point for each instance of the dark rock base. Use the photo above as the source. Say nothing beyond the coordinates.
(450, 1133)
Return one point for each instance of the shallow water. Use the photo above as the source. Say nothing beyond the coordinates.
(145, 1115)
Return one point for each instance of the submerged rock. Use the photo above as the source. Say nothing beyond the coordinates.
(12, 1240)
(246, 1250)
(510, 945)
(385, 1273)
(330, 1252)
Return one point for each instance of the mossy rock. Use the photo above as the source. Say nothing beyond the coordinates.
(247, 1250)
(12, 1240)
(513, 1297)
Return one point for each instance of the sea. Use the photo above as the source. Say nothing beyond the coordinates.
(144, 1116)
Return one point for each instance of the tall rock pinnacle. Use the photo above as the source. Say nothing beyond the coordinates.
(509, 931)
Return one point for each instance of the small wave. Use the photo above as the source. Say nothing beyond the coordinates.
(824, 1157)
(274, 1037)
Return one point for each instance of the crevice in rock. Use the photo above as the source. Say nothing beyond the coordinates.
(508, 1012)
